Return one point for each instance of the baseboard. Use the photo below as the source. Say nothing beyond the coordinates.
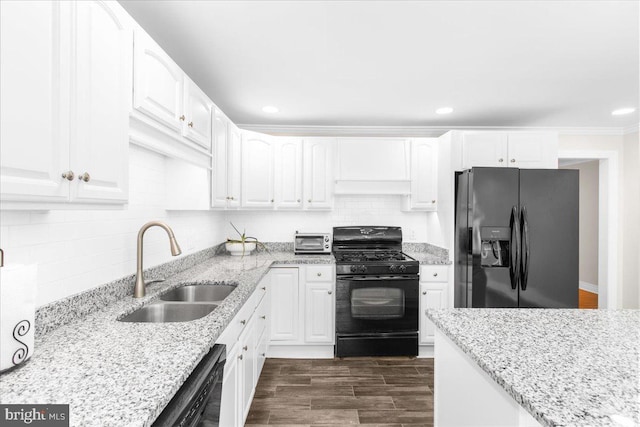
(300, 352)
(425, 352)
(589, 287)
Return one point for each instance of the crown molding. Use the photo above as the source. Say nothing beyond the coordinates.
(632, 129)
(419, 131)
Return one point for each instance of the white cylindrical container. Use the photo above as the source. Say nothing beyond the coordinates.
(17, 314)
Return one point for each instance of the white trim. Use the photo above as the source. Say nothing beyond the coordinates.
(300, 351)
(608, 224)
(418, 131)
(631, 129)
(589, 287)
(426, 351)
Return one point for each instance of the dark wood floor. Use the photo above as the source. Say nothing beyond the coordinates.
(380, 392)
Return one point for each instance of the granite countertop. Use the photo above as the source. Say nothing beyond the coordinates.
(428, 258)
(123, 374)
(565, 367)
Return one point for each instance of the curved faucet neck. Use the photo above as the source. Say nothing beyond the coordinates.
(139, 288)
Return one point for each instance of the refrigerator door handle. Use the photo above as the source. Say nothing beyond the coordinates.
(525, 249)
(514, 246)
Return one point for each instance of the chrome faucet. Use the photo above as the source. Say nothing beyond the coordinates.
(138, 290)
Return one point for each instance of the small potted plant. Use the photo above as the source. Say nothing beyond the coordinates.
(244, 245)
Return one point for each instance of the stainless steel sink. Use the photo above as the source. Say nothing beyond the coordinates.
(162, 312)
(199, 293)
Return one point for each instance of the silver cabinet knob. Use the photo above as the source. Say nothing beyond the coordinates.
(190, 124)
(264, 288)
(181, 117)
(424, 292)
(309, 200)
(233, 198)
(435, 274)
(244, 322)
(240, 357)
(329, 292)
(68, 175)
(271, 200)
(319, 274)
(433, 201)
(298, 200)
(263, 317)
(245, 348)
(500, 160)
(263, 354)
(513, 160)
(84, 177)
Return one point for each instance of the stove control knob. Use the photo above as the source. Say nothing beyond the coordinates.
(354, 268)
(392, 268)
(402, 268)
(363, 269)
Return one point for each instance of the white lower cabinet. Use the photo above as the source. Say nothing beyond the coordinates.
(242, 338)
(302, 311)
(433, 294)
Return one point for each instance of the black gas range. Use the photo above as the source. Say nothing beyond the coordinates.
(376, 293)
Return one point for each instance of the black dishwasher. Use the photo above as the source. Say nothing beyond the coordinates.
(197, 403)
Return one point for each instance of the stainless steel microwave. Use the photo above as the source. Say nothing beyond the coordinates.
(312, 243)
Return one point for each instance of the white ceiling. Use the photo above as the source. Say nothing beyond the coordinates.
(392, 63)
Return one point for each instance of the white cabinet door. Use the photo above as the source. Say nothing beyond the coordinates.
(247, 350)
(424, 174)
(432, 295)
(34, 149)
(288, 168)
(230, 406)
(158, 83)
(533, 150)
(234, 165)
(285, 315)
(197, 122)
(484, 149)
(100, 143)
(219, 191)
(319, 312)
(257, 171)
(318, 175)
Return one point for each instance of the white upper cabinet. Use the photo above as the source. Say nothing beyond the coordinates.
(257, 170)
(288, 177)
(533, 150)
(219, 191)
(318, 173)
(197, 122)
(510, 149)
(159, 83)
(33, 158)
(484, 149)
(78, 68)
(424, 174)
(100, 144)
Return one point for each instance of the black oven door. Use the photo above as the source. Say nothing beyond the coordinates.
(376, 304)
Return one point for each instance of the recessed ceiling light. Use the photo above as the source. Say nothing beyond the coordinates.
(444, 110)
(621, 111)
(270, 109)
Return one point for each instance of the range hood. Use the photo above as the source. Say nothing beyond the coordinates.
(373, 166)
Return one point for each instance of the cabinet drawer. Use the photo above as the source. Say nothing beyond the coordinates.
(233, 330)
(434, 273)
(319, 273)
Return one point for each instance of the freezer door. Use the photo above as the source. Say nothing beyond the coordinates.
(549, 203)
(494, 192)
(463, 261)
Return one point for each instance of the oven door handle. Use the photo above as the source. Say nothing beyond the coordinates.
(375, 278)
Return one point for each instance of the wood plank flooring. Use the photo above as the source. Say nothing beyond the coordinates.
(587, 299)
(373, 392)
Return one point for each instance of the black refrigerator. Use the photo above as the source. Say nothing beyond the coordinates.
(516, 238)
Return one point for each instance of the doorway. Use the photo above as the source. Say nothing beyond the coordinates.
(598, 224)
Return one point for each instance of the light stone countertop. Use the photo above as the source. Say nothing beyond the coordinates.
(123, 374)
(565, 367)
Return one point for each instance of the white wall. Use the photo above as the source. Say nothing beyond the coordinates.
(78, 250)
(589, 182)
(631, 213)
(272, 226)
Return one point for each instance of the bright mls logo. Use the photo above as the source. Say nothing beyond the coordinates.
(34, 415)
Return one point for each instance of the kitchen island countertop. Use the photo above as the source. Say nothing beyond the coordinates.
(564, 367)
